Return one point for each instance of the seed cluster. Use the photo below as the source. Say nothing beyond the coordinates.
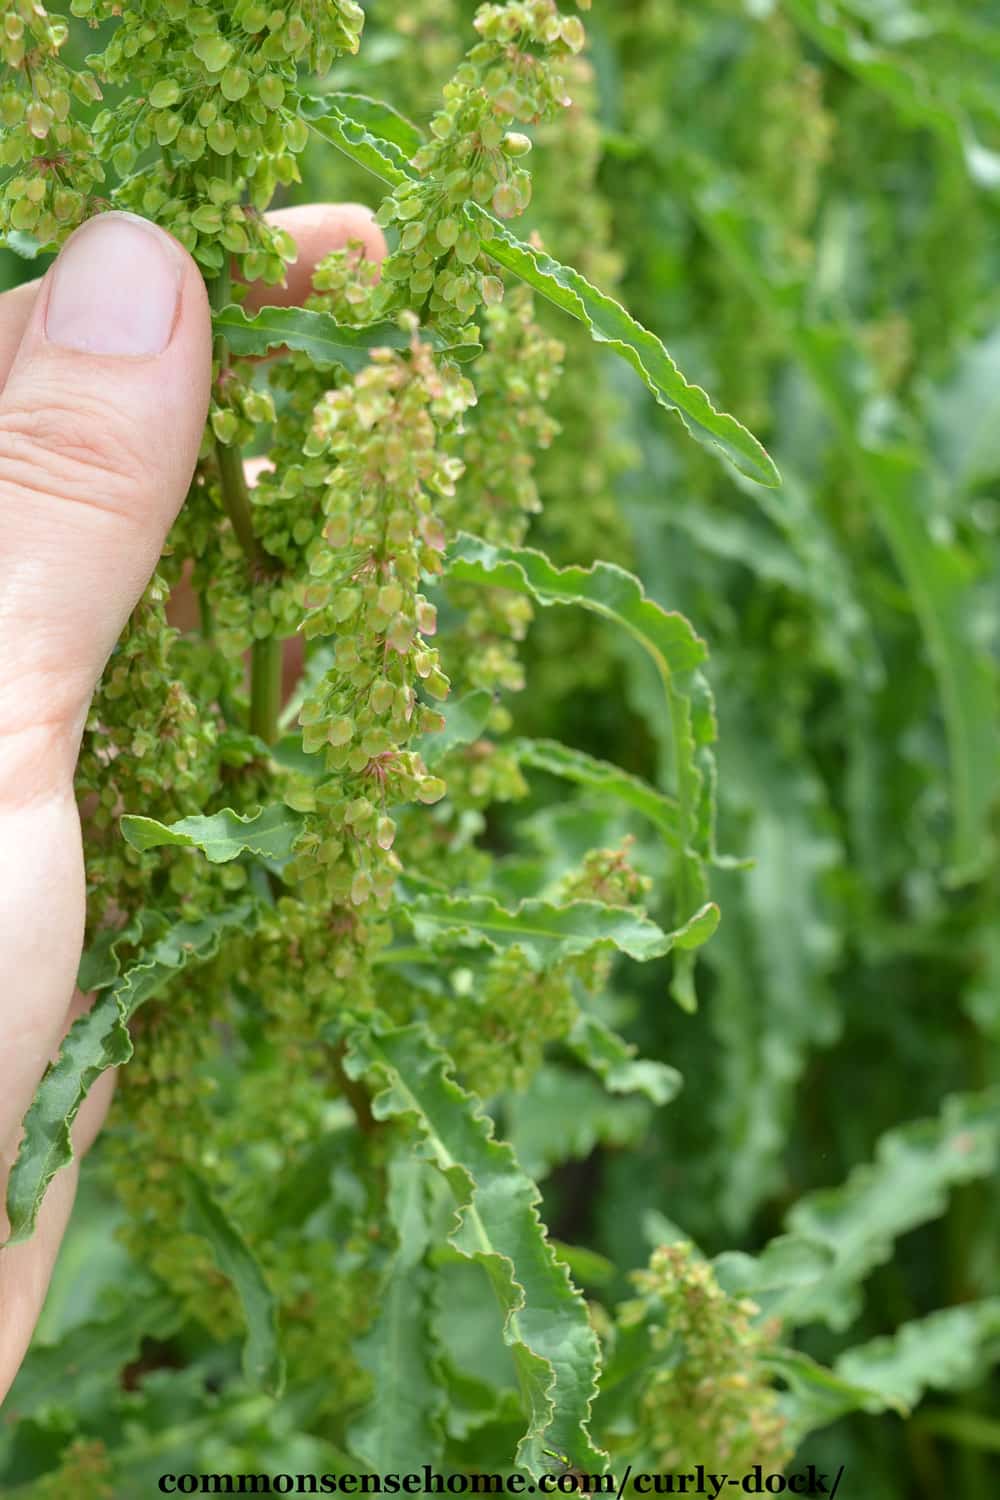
(514, 75)
(56, 171)
(718, 1398)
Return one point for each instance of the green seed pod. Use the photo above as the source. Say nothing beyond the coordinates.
(167, 126)
(164, 93)
(515, 144)
(467, 247)
(214, 51)
(296, 135)
(271, 91)
(385, 833)
(39, 119)
(191, 142)
(506, 201)
(225, 425)
(234, 83)
(491, 133)
(340, 731)
(447, 231)
(221, 137)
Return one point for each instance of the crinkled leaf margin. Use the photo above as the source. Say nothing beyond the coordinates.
(99, 1040)
(546, 1327)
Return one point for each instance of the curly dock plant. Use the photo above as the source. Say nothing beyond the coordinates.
(329, 967)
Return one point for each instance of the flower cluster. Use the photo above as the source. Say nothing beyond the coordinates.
(363, 478)
(709, 1398)
(513, 75)
(380, 436)
(147, 746)
(55, 169)
(212, 89)
(497, 495)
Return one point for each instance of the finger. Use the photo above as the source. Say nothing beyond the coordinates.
(316, 228)
(116, 352)
(15, 310)
(26, 1269)
(25, 1273)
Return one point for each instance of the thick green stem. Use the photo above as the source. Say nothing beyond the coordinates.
(235, 495)
(265, 671)
(265, 688)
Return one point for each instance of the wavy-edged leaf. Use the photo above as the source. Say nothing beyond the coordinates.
(380, 119)
(603, 777)
(99, 1040)
(772, 1002)
(676, 652)
(317, 334)
(546, 1327)
(946, 1351)
(263, 1365)
(545, 933)
(564, 1114)
(609, 323)
(406, 1412)
(907, 1184)
(615, 1062)
(816, 1396)
(775, 1278)
(464, 721)
(359, 134)
(269, 833)
(380, 140)
(603, 589)
(25, 245)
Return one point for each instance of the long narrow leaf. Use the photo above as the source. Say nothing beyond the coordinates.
(99, 1040)
(545, 933)
(907, 1184)
(546, 1326)
(601, 776)
(609, 323)
(317, 334)
(895, 480)
(676, 652)
(262, 1361)
(369, 147)
(407, 1406)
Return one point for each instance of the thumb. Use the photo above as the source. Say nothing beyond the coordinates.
(100, 423)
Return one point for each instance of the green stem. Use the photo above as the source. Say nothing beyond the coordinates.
(265, 671)
(265, 688)
(235, 495)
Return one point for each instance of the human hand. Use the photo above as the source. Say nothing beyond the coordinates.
(105, 368)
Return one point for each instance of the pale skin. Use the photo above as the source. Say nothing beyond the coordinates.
(96, 454)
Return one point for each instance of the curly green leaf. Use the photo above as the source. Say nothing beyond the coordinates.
(262, 1361)
(546, 1327)
(545, 933)
(609, 323)
(99, 1040)
(269, 833)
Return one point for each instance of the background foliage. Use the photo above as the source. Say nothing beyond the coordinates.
(801, 200)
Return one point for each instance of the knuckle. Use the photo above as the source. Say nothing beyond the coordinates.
(75, 452)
